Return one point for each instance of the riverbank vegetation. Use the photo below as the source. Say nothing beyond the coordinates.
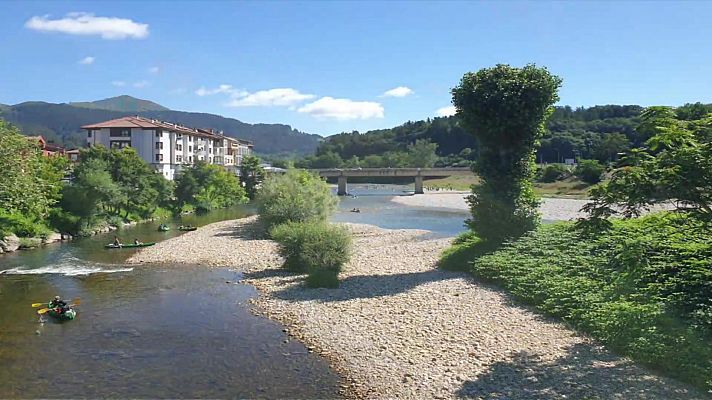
(40, 195)
(641, 285)
(294, 208)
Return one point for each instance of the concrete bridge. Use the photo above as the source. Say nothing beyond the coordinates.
(418, 173)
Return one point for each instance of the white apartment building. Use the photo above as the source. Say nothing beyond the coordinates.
(169, 147)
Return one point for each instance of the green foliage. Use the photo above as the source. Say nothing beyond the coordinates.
(251, 175)
(295, 196)
(30, 182)
(675, 166)
(208, 187)
(553, 172)
(644, 288)
(421, 154)
(22, 226)
(64, 221)
(318, 248)
(589, 171)
(505, 109)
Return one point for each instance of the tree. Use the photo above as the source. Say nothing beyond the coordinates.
(607, 150)
(207, 187)
(251, 175)
(589, 171)
(296, 196)
(421, 154)
(674, 167)
(30, 183)
(505, 109)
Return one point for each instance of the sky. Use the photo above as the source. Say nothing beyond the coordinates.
(326, 67)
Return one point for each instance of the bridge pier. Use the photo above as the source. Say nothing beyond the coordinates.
(342, 186)
(419, 185)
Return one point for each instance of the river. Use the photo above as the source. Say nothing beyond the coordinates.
(164, 331)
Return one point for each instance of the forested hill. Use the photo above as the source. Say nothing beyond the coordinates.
(598, 132)
(60, 123)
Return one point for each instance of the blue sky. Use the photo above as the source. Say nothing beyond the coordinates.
(327, 67)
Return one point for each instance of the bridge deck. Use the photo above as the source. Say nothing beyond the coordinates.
(405, 172)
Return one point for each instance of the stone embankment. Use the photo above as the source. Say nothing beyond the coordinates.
(397, 327)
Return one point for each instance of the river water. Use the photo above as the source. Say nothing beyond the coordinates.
(164, 331)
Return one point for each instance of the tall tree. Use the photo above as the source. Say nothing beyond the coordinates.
(505, 109)
(251, 175)
(421, 154)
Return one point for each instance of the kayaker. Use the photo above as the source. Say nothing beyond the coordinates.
(117, 242)
(136, 242)
(59, 305)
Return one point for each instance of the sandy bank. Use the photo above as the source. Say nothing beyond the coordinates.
(399, 328)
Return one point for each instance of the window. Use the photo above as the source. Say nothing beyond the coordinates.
(115, 144)
(159, 145)
(159, 157)
(179, 147)
(179, 136)
(190, 148)
(159, 134)
(210, 160)
(179, 158)
(190, 138)
(211, 150)
(89, 132)
(190, 159)
(120, 132)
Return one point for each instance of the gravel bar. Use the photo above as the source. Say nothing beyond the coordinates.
(399, 328)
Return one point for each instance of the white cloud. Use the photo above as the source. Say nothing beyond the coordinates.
(342, 109)
(87, 60)
(87, 24)
(446, 111)
(400, 91)
(118, 83)
(154, 70)
(271, 97)
(141, 84)
(220, 89)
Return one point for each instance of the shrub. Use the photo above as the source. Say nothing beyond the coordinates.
(553, 172)
(318, 248)
(295, 196)
(64, 221)
(22, 226)
(589, 171)
(644, 288)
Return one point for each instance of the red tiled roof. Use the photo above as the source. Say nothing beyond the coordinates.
(142, 122)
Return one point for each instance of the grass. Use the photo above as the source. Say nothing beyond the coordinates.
(567, 188)
(644, 288)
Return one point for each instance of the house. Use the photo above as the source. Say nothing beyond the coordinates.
(72, 155)
(48, 149)
(169, 147)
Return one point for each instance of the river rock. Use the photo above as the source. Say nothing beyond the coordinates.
(10, 243)
(53, 237)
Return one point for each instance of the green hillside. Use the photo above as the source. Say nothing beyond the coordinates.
(122, 103)
(60, 123)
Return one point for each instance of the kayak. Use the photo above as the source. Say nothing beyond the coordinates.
(128, 246)
(164, 228)
(68, 315)
(187, 228)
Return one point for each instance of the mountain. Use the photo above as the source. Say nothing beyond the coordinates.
(60, 123)
(122, 103)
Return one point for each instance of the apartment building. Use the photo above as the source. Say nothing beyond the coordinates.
(169, 147)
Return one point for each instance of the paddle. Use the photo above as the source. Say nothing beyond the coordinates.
(35, 305)
(77, 302)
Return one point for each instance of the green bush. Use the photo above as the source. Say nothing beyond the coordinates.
(589, 171)
(22, 226)
(644, 288)
(318, 248)
(294, 196)
(64, 221)
(553, 172)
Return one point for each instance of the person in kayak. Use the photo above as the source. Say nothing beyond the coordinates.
(117, 242)
(137, 243)
(59, 305)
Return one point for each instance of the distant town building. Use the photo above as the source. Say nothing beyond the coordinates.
(169, 147)
(72, 155)
(48, 149)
